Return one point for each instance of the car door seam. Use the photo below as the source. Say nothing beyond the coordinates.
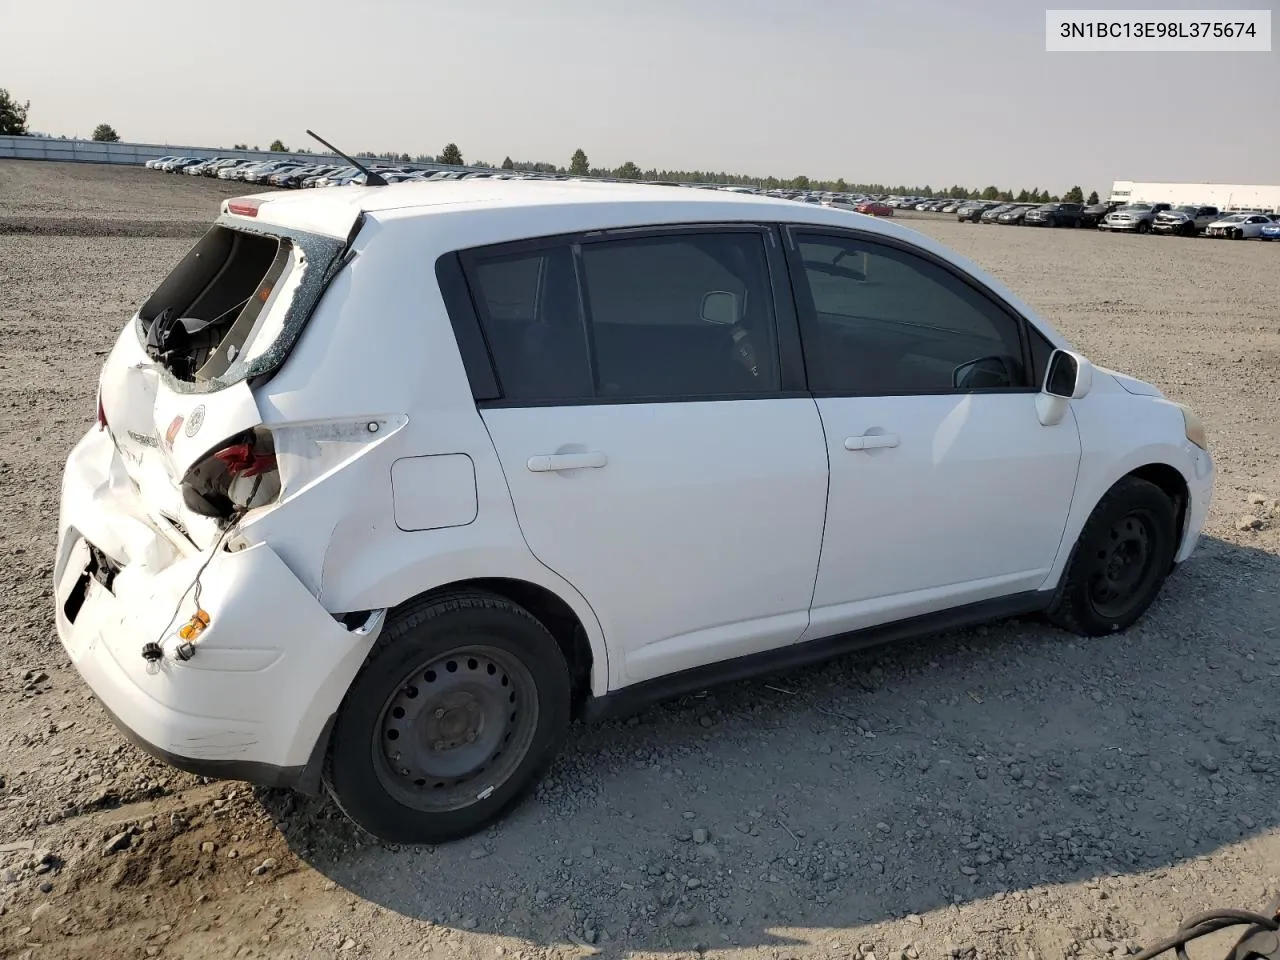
(1075, 492)
(506, 482)
(826, 513)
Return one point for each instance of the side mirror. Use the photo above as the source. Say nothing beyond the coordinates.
(1069, 377)
(720, 307)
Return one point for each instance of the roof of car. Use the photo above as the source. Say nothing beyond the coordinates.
(530, 193)
(333, 210)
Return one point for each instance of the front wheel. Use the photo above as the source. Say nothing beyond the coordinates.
(462, 703)
(1144, 227)
(1237, 234)
(1120, 560)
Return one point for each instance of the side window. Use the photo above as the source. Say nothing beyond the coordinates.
(687, 315)
(890, 322)
(532, 320)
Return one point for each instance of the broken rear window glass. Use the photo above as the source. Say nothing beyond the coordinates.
(235, 304)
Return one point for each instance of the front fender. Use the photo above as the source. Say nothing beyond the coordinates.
(1110, 420)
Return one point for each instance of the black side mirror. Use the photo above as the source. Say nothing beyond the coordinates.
(1064, 371)
(1069, 377)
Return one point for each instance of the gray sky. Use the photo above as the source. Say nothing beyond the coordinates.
(891, 91)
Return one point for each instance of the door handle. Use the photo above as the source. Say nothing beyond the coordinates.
(872, 441)
(550, 463)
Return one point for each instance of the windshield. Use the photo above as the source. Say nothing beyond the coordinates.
(1137, 207)
(1190, 210)
(1235, 218)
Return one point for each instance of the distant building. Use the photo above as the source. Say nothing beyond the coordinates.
(1226, 196)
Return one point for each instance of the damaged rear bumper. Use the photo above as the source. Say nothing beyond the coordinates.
(256, 699)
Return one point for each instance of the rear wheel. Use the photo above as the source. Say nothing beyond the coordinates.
(461, 704)
(1120, 561)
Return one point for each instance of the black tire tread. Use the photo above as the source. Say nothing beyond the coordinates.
(1063, 611)
(413, 615)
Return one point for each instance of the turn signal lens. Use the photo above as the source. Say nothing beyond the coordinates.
(1195, 428)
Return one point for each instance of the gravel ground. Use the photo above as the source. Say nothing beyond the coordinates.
(1008, 791)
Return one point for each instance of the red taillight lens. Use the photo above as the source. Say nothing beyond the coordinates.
(241, 460)
(212, 486)
(243, 207)
(102, 413)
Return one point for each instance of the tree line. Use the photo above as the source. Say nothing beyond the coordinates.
(13, 122)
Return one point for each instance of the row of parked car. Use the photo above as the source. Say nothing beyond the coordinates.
(302, 174)
(1191, 220)
(1188, 220)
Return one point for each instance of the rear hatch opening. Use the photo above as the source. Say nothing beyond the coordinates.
(199, 320)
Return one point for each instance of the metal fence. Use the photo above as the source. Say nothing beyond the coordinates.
(90, 151)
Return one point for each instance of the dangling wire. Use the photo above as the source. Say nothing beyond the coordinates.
(153, 652)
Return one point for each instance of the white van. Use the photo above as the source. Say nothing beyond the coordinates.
(390, 483)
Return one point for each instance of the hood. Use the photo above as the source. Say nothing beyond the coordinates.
(1139, 388)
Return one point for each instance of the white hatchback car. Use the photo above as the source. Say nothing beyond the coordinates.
(390, 483)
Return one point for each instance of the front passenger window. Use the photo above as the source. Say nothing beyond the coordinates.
(889, 322)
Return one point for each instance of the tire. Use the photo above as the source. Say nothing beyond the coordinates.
(465, 658)
(1120, 561)
(1237, 234)
(1144, 227)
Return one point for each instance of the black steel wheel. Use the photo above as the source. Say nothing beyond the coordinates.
(468, 714)
(460, 705)
(1119, 562)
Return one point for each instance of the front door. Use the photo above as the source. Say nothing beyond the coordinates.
(945, 488)
(654, 460)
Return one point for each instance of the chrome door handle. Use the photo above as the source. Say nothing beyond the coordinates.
(872, 441)
(552, 462)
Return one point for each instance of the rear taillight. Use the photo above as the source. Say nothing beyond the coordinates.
(244, 460)
(102, 413)
(237, 476)
(266, 465)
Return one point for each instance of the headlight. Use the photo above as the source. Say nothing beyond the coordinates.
(1194, 428)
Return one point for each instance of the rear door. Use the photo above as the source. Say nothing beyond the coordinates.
(945, 488)
(661, 452)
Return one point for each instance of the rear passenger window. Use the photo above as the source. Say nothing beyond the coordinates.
(681, 316)
(667, 317)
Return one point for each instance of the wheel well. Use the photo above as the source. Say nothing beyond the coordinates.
(1173, 484)
(554, 614)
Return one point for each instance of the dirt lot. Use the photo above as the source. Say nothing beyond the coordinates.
(1003, 792)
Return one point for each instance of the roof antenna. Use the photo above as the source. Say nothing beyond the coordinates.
(371, 179)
